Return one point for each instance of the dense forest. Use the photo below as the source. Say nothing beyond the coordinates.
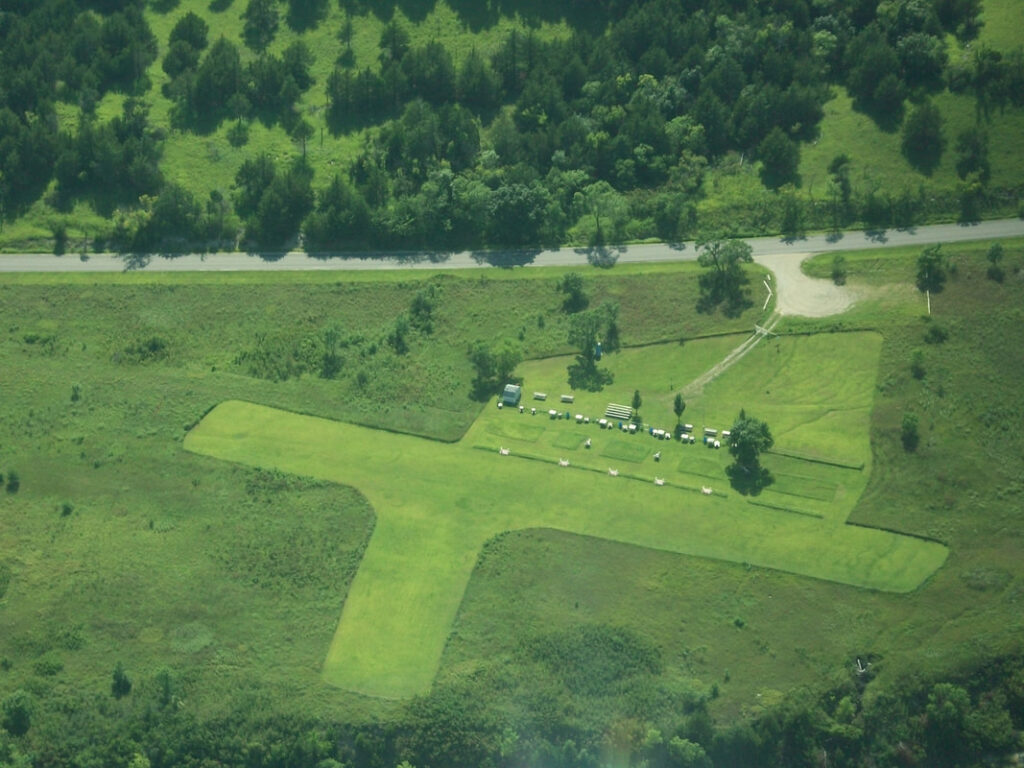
(971, 721)
(608, 132)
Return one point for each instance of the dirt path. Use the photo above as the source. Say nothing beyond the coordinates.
(798, 294)
(696, 387)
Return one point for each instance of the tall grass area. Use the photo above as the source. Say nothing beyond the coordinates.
(118, 545)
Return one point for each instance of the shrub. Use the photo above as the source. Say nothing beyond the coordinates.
(17, 713)
(47, 665)
(936, 334)
(917, 364)
(121, 685)
(909, 435)
(13, 482)
(839, 269)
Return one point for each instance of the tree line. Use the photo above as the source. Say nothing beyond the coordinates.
(602, 136)
(972, 718)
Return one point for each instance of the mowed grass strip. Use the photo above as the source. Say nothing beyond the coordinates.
(437, 504)
(629, 449)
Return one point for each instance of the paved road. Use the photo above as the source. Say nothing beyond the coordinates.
(762, 246)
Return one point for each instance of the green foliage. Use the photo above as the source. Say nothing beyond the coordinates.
(13, 481)
(47, 665)
(748, 439)
(931, 269)
(121, 685)
(917, 369)
(678, 406)
(571, 285)
(261, 21)
(17, 710)
(839, 269)
(972, 153)
(149, 350)
(936, 333)
(909, 435)
(493, 366)
(923, 140)
(5, 574)
(995, 257)
(586, 330)
(724, 283)
(780, 158)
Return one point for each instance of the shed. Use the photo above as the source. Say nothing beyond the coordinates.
(512, 395)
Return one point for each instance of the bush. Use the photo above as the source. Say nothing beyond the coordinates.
(917, 364)
(13, 482)
(909, 435)
(121, 685)
(17, 713)
(839, 269)
(47, 665)
(936, 334)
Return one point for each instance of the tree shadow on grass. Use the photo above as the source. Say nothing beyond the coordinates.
(749, 481)
(586, 375)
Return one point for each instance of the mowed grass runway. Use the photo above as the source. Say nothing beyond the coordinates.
(437, 504)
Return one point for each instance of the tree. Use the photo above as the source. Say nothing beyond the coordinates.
(571, 285)
(190, 29)
(261, 21)
(121, 685)
(302, 132)
(995, 256)
(748, 439)
(17, 713)
(218, 78)
(13, 481)
(637, 402)
(394, 42)
(678, 406)
(931, 269)
(725, 280)
(780, 158)
(923, 141)
(181, 57)
(972, 153)
(493, 366)
(477, 85)
(585, 331)
(909, 435)
(341, 220)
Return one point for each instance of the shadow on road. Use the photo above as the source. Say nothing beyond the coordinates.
(506, 259)
(876, 235)
(602, 256)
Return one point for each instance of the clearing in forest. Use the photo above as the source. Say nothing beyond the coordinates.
(436, 504)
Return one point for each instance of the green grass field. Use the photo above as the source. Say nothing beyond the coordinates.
(234, 578)
(430, 527)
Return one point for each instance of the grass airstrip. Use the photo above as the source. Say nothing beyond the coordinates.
(437, 504)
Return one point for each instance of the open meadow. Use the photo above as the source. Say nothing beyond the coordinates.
(377, 494)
